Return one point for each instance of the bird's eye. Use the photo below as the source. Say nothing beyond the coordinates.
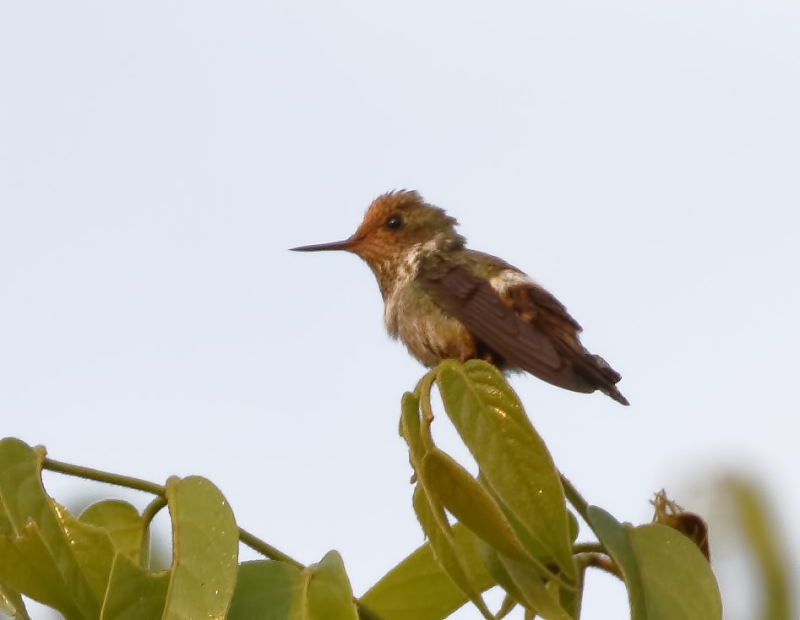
(394, 222)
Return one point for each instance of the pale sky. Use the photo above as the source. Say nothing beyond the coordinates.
(157, 159)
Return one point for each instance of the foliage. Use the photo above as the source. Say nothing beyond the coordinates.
(513, 529)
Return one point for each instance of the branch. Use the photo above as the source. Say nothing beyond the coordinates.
(160, 491)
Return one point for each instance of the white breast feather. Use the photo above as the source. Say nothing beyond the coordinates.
(409, 267)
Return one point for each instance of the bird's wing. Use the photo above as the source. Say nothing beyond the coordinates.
(539, 308)
(530, 329)
(468, 297)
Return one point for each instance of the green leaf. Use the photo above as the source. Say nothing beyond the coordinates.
(525, 536)
(268, 590)
(419, 589)
(68, 555)
(666, 574)
(512, 457)
(92, 549)
(74, 567)
(410, 428)
(21, 493)
(523, 582)
(328, 592)
(574, 527)
(491, 561)
(469, 502)
(11, 603)
(767, 550)
(436, 527)
(536, 596)
(506, 607)
(678, 581)
(121, 521)
(27, 565)
(205, 543)
(570, 599)
(133, 592)
(428, 507)
(617, 540)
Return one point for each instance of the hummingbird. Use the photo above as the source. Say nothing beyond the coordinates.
(444, 301)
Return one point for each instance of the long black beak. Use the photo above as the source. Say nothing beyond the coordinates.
(325, 247)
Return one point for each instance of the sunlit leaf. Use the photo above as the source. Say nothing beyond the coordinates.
(491, 562)
(512, 457)
(268, 590)
(92, 549)
(469, 502)
(328, 593)
(434, 523)
(27, 565)
(678, 580)
(523, 582)
(574, 527)
(429, 509)
(536, 595)
(133, 592)
(571, 598)
(11, 603)
(410, 428)
(667, 576)
(121, 521)
(529, 541)
(617, 540)
(70, 554)
(205, 542)
(419, 589)
(506, 607)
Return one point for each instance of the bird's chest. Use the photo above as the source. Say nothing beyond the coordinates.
(429, 335)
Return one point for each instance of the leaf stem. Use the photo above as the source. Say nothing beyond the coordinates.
(571, 493)
(423, 394)
(102, 476)
(151, 510)
(603, 562)
(158, 503)
(591, 547)
(148, 514)
(267, 550)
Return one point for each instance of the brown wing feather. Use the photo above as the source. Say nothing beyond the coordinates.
(544, 311)
(532, 331)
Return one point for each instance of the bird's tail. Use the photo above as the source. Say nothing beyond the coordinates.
(614, 393)
(611, 378)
